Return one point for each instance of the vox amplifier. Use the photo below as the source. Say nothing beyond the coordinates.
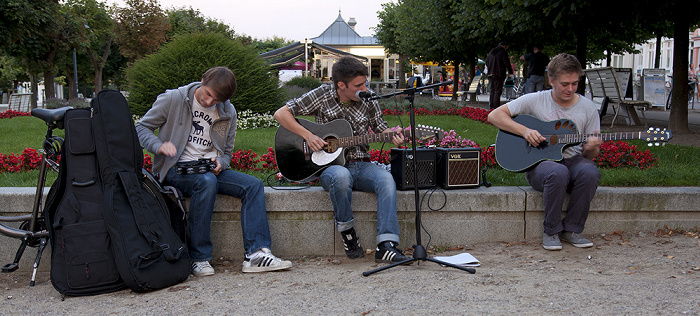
(402, 167)
(458, 167)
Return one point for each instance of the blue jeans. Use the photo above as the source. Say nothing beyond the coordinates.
(534, 83)
(202, 189)
(576, 175)
(339, 181)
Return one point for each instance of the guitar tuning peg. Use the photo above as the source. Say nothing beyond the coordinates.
(650, 144)
(657, 144)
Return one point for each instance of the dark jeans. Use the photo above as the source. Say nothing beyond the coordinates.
(203, 188)
(496, 91)
(576, 175)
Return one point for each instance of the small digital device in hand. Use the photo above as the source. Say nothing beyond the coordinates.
(202, 165)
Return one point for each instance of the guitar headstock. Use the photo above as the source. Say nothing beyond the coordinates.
(656, 136)
(424, 133)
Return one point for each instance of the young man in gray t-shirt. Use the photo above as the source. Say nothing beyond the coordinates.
(576, 173)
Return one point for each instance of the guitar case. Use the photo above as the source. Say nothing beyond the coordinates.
(82, 261)
(148, 253)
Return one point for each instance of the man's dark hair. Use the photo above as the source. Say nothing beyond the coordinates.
(346, 69)
(503, 43)
(564, 63)
(222, 82)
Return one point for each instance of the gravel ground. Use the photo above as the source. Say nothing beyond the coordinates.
(625, 273)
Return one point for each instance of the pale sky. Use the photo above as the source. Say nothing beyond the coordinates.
(290, 19)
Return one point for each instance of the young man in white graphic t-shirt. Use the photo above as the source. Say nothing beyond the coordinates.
(195, 122)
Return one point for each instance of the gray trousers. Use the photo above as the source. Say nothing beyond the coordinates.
(576, 175)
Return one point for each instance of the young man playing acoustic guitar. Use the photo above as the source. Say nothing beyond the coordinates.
(576, 173)
(339, 101)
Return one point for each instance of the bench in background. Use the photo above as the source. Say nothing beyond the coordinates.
(614, 87)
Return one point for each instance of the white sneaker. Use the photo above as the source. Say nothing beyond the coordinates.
(263, 260)
(202, 268)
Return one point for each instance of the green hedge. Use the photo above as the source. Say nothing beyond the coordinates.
(187, 57)
(304, 82)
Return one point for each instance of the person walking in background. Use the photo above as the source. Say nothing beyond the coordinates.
(537, 64)
(498, 64)
(197, 122)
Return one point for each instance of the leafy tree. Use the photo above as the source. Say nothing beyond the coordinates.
(187, 57)
(34, 38)
(22, 19)
(140, 28)
(99, 34)
(269, 44)
(188, 20)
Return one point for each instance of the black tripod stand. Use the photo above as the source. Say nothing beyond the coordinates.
(419, 252)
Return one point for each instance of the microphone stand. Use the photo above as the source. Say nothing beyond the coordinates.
(419, 252)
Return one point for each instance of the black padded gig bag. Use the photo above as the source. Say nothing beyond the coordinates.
(82, 261)
(149, 254)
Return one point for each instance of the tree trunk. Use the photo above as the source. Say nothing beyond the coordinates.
(49, 87)
(34, 79)
(657, 53)
(678, 119)
(582, 55)
(99, 64)
(71, 84)
(403, 60)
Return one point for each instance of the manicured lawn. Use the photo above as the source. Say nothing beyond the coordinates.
(676, 166)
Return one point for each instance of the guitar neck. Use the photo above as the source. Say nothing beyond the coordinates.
(580, 138)
(369, 138)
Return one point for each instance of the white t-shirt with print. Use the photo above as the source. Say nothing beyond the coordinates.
(199, 143)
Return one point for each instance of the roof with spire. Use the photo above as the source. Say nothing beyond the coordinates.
(340, 33)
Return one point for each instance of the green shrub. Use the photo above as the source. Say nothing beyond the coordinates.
(304, 82)
(187, 57)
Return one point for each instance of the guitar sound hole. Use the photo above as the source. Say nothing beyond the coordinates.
(554, 139)
(332, 145)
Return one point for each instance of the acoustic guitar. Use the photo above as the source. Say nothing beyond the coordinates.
(515, 154)
(298, 163)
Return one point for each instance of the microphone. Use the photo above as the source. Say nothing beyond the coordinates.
(364, 94)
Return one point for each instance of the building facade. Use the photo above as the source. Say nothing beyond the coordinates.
(645, 59)
(341, 35)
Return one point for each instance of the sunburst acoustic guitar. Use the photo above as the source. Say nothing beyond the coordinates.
(298, 163)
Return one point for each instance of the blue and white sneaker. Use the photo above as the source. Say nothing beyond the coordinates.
(263, 260)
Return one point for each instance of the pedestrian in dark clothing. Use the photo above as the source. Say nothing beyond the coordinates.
(537, 64)
(498, 64)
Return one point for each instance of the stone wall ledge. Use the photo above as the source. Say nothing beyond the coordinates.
(301, 220)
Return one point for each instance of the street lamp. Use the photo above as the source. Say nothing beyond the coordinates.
(75, 67)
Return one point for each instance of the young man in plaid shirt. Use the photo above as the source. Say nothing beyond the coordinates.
(340, 101)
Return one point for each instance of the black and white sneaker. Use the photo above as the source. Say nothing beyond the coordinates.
(352, 244)
(388, 253)
(263, 261)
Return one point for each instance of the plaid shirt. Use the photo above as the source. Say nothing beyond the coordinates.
(324, 105)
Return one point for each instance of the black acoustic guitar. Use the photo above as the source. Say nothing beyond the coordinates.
(515, 154)
(298, 163)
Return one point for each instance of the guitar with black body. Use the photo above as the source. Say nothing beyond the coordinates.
(298, 163)
(515, 154)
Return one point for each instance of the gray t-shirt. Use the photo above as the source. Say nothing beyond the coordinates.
(584, 113)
